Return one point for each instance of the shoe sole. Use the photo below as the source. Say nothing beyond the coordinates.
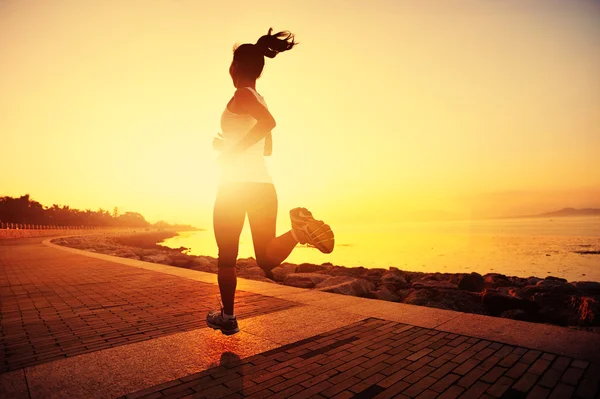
(225, 332)
(319, 245)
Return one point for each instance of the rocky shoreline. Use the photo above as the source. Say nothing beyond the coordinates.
(550, 300)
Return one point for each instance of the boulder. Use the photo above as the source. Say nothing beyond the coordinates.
(495, 280)
(532, 280)
(347, 286)
(421, 284)
(252, 271)
(517, 314)
(158, 258)
(497, 302)
(462, 301)
(413, 276)
(304, 280)
(557, 279)
(181, 262)
(395, 278)
(385, 294)
(589, 287)
(310, 268)
(471, 282)
(547, 286)
(345, 271)
(283, 270)
(557, 309)
(204, 264)
(245, 263)
(588, 309)
(374, 275)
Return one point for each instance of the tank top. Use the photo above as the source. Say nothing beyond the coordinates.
(250, 165)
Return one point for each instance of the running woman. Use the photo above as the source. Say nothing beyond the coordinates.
(245, 186)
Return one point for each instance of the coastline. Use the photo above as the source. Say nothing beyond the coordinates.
(549, 300)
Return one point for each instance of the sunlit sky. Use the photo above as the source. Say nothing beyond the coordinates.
(386, 111)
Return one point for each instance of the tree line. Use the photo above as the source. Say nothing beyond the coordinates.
(24, 210)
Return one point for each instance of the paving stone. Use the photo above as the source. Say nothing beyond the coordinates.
(500, 386)
(526, 382)
(562, 391)
(538, 392)
(572, 375)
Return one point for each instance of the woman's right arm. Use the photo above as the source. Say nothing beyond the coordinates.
(249, 104)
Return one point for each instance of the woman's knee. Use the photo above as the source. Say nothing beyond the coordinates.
(265, 263)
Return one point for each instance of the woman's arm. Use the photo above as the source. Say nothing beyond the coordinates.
(247, 103)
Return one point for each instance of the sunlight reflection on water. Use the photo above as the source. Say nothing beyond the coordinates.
(521, 247)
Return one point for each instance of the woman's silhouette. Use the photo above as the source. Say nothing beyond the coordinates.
(245, 185)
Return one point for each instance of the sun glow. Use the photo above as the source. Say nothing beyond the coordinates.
(386, 111)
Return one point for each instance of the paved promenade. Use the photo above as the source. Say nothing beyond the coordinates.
(77, 324)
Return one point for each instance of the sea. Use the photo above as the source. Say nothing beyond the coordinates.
(560, 247)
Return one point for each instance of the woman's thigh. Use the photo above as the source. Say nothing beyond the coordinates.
(262, 215)
(229, 214)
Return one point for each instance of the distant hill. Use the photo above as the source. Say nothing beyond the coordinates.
(565, 212)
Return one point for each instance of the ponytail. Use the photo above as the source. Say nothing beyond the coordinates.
(270, 45)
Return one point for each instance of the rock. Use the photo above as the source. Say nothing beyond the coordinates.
(245, 263)
(181, 262)
(252, 271)
(558, 279)
(345, 271)
(495, 280)
(310, 268)
(557, 309)
(532, 280)
(91, 250)
(590, 287)
(413, 276)
(547, 287)
(424, 284)
(129, 255)
(304, 280)
(404, 293)
(394, 277)
(462, 301)
(516, 314)
(158, 258)
(589, 311)
(204, 264)
(283, 270)
(385, 294)
(374, 275)
(471, 282)
(496, 302)
(347, 286)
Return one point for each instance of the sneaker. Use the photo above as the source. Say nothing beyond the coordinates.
(308, 230)
(215, 320)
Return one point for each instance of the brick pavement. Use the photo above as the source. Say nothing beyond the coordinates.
(56, 305)
(381, 359)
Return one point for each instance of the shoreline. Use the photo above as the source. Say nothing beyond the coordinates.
(548, 300)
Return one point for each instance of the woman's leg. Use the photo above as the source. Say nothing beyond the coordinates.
(228, 221)
(262, 214)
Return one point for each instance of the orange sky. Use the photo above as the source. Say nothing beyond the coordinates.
(387, 110)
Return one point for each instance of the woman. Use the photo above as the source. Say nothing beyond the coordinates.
(245, 185)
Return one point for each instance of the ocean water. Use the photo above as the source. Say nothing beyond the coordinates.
(516, 247)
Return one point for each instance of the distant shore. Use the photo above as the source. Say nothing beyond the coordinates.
(549, 300)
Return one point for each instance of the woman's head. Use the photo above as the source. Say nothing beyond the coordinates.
(248, 59)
